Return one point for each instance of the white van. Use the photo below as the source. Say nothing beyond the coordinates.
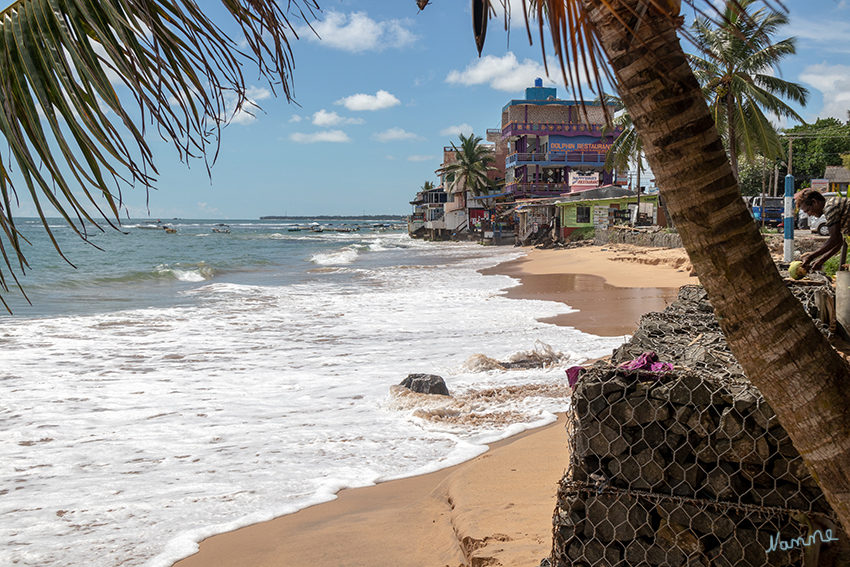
(818, 224)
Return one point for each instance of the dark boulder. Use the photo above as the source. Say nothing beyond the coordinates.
(425, 384)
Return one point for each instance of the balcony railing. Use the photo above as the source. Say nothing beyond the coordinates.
(521, 158)
(563, 128)
(552, 189)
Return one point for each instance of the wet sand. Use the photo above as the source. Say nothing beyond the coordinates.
(604, 309)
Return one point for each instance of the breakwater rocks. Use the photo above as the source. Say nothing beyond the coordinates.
(687, 466)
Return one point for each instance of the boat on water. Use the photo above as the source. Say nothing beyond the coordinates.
(151, 225)
(221, 230)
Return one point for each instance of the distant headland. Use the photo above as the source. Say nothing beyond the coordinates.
(338, 217)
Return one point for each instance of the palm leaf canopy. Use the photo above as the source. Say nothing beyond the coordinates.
(627, 145)
(739, 57)
(473, 161)
(74, 141)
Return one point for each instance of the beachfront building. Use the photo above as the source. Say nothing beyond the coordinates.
(554, 146)
(427, 211)
(607, 206)
(463, 210)
(536, 219)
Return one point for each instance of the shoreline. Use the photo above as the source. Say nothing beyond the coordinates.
(610, 286)
(496, 508)
(428, 520)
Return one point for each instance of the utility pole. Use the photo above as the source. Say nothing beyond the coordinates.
(790, 155)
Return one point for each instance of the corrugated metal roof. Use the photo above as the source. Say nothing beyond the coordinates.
(837, 174)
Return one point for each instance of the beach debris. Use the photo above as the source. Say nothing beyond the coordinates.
(541, 355)
(692, 465)
(482, 363)
(425, 384)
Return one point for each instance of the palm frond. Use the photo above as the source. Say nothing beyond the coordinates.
(69, 131)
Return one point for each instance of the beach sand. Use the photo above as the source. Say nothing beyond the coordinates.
(495, 509)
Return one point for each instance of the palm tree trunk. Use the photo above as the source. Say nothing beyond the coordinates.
(769, 332)
(730, 127)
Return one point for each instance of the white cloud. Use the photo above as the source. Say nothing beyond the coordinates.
(325, 118)
(832, 37)
(834, 82)
(323, 136)
(394, 134)
(258, 93)
(360, 101)
(464, 129)
(296, 118)
(357, 32)
(421, 158)
(248, 113)
(501, 73)
(517, 17)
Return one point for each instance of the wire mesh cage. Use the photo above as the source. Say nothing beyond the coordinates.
(676, 459)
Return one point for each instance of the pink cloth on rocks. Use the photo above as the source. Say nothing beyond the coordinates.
(647, 361)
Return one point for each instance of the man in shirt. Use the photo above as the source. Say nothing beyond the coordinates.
(837, 213)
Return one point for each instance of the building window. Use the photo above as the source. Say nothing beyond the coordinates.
(582, 215)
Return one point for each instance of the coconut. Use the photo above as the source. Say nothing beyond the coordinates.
(796, 270)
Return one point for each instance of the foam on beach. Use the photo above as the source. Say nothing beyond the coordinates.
(135, 432)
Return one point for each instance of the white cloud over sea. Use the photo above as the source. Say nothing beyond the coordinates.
(380, 100)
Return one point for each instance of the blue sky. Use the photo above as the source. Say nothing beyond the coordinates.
(385, 89)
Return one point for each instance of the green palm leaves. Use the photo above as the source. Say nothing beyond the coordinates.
(472, 162)
(68, 68)
(736, 78)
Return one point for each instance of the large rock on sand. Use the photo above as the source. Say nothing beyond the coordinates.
(425, 384)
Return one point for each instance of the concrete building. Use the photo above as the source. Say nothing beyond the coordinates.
(554, 146)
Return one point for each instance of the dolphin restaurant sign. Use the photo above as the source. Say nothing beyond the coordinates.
(583, 144)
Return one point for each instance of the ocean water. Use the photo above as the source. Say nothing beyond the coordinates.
(175, 386)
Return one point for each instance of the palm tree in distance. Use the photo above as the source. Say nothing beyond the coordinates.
(782, 352)
(427, 186)
(736, 80)
(473, 160)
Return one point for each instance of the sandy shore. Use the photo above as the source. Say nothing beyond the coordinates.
(611, 286)
(497, 508)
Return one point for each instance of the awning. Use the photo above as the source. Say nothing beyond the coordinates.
(489, 196)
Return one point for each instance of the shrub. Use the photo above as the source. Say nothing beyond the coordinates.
(585, 233)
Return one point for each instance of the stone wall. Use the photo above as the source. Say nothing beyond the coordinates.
(651, 238)
(682, 466)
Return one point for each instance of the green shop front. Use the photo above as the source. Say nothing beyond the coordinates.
(608, 206)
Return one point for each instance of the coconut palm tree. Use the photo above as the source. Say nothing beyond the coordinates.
(782, 352)
(81, 81)
(627, 147)
(735, 73)
(469, 171)
(427, 186)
